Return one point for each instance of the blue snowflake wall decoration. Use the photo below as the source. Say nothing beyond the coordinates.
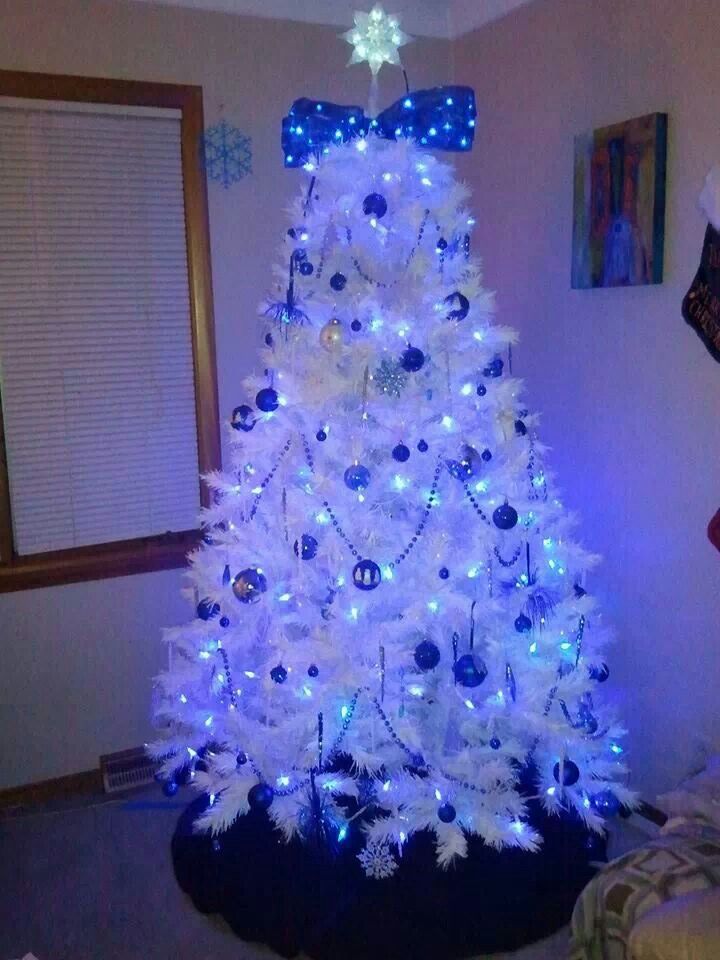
(227, 153)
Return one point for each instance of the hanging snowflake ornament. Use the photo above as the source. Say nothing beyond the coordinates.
(390, 377)
(377, 861)
(376, 38)
(227, 153)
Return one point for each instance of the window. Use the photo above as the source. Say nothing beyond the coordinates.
(108, 390)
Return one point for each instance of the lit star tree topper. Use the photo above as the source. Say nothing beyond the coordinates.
(376, 38)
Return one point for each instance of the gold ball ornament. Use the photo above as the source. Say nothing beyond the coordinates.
(331, 335)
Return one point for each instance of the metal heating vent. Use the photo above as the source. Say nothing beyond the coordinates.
(126, 769)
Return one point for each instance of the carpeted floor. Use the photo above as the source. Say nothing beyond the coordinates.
(95, 882)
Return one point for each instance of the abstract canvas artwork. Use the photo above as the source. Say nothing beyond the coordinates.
(619, 204)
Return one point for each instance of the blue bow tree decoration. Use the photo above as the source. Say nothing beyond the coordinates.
(442, 118)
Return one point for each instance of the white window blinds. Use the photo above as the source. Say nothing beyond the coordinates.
(96, 366)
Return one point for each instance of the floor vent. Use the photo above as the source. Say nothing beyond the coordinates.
(126, 769)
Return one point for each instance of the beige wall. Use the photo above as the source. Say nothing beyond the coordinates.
(630, 396)
(77, 660)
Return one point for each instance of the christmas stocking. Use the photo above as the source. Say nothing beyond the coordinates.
(701, 306)
(714, 530)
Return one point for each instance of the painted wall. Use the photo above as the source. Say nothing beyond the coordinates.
(78, 660)
(630, 396)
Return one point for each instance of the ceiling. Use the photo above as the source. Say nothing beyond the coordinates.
(428, 18)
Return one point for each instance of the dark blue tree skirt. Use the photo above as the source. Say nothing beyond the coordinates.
(296, 899)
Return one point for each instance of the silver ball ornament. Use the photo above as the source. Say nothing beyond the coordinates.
(331, 335)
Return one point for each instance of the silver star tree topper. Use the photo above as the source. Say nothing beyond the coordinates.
(376, 38)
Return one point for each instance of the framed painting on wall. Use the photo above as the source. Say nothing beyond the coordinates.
(619, 204)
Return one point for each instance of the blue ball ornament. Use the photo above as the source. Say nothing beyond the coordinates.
(570, 773)
(278, 674)
(606, 803)
(375, 205)
(249, 584)
(441, 245)
(494, 368)
(313, 671)
(321, 436)
(412, 359)
(523, 624)
(269, 340)
(481, 390)
(443, 573)
(401, 453)
(267, 400)
(366, 575)
(469, 672)
(495, 743)
(427, 655)
(356, 326)
(357, 477)
(170, 788)
(505, 517)
(243, 418)
(338, 281)
(207, 609)
(241, 759)
(446, 812)
(260, 796)
(422, 446)
(520, 428)
(224, 621)
(486, 455)
(306, 268)
(600, 672)
(306, 547)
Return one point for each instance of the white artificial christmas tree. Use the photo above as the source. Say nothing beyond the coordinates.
(390, 602)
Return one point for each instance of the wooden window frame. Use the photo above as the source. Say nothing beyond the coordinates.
(165, 551)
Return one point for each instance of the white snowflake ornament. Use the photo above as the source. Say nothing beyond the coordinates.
(377, 861)
(376, 38)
